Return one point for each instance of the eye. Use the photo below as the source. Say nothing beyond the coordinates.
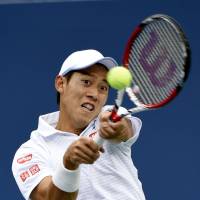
(104, 88)
(86, 82)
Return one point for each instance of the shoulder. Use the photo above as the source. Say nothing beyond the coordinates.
(35, 145)
(30, 165)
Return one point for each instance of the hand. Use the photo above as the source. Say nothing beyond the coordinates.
(82, 151)
(117, 131)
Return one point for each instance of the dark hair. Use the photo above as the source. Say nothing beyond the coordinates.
(68, 77)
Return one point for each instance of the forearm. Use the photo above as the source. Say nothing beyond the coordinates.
(64, 183)
(46, 190)
(55, 193)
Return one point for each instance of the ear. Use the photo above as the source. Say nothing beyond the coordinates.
(59, 84)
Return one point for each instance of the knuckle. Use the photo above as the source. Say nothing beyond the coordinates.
(78, 160)
(104, 116)
(91, 162)
(90, 141)
(81, 140)
(76, 151)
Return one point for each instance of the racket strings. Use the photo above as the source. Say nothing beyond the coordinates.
(166, 48)
(142, 75)
(172, 41)
(151, 57)
(157, 61)
(141, 78)
(169, 40)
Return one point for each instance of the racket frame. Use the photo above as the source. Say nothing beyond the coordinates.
(185, 48)
(115, 115)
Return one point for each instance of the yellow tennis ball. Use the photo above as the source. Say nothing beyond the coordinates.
(119, 77)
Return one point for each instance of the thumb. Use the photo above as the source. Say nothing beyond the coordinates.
(105, 116)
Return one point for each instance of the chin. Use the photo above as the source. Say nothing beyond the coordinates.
(83, 122)
(84, 119)
(87, 121)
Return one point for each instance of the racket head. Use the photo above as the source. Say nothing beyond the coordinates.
(158, 56)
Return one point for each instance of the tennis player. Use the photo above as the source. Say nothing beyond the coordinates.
(61, 161)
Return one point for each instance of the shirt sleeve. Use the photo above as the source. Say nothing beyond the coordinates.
(136, 126)
(30, 165)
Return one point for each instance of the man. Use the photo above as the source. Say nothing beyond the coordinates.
(61, 161)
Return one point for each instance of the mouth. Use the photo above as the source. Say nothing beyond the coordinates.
(88, 106)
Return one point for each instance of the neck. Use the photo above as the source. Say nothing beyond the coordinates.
(65, 125)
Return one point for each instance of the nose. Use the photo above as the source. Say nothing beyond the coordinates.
(93, 93)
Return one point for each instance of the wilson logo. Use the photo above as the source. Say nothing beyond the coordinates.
(24, 159)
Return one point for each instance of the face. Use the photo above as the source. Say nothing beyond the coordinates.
(83, 96)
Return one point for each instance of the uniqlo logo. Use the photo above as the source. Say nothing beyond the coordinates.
(34, 169)
(24, 159)
(24, 175)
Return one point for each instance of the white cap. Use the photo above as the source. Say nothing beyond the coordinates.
(85, 58)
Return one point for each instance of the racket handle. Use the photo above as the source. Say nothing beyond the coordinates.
(98, 139)
(115, 117)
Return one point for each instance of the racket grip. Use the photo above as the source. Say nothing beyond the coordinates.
(98, 139)
(114, 116)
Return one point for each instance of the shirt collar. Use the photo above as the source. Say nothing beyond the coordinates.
(48, 122)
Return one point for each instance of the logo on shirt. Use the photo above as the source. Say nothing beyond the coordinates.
(30, 172)
(34, 169)
(24, 176)
(91, 135)
(24, 159)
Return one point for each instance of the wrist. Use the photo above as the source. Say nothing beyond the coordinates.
(65, 179)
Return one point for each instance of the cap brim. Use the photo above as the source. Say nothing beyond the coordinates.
(108, 62)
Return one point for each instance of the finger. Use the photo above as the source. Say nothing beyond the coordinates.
(107, 132)
(90, 148)
(117, 126)
(105, 116)
(107, 126)
(86, 156)
(89, 143)
(80, 160)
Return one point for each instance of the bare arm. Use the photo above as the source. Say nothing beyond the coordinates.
(82, 151)
(46, 190)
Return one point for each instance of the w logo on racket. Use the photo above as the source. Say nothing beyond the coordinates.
(156, 61)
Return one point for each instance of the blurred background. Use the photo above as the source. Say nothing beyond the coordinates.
(36, 37)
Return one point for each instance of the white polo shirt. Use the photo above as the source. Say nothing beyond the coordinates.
(112, 177)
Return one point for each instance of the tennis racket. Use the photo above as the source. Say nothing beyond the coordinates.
(158, 57)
